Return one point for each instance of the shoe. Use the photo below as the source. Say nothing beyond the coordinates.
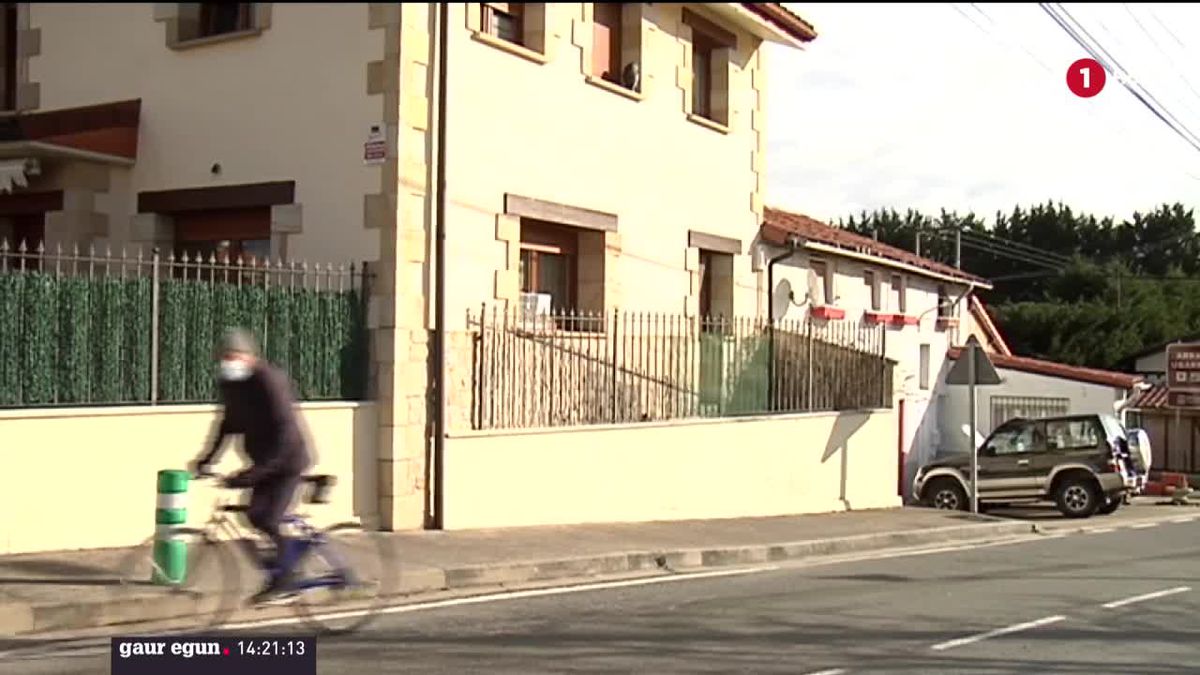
(276, 591)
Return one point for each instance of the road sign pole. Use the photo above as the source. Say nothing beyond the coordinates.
(971, 347)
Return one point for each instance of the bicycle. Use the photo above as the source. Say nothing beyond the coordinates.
(355, 592)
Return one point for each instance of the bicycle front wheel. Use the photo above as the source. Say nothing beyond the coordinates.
(190, 578)
(344, 579)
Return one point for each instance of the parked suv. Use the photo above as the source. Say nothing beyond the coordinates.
(1074, 461)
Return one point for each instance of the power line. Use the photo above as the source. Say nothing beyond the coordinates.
(1164, 27)
(1129, 79)
(999, 36)
(1002, 253)
(1020, 45)
(1017, 246)
(1175, 68)
(1123, 79)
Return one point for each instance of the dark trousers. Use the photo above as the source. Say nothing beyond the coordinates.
(269, 503)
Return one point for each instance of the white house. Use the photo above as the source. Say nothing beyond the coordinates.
(929, 309)
(831, 275)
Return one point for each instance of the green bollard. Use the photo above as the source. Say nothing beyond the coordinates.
(170, 550)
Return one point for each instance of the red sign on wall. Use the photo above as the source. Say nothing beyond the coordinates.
(1183, 375)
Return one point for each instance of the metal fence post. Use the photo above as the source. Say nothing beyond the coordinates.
(154, 302)
(809, 329)
(615, 352)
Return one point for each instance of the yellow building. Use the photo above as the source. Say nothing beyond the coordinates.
(598, 158)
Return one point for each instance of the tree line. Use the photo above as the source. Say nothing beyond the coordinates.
(1069, 287)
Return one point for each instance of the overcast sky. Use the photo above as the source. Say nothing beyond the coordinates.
(913, 105)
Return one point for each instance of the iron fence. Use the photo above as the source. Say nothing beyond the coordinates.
(579, 369)
(135, 327)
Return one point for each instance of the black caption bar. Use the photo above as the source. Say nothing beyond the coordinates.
(226, 655)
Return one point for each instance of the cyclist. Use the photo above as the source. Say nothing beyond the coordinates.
(257, 403)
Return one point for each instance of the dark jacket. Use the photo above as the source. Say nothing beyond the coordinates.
(262, 410)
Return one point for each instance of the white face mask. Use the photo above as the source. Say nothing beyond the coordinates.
(233, 371)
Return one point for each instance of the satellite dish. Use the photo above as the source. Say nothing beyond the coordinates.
(812, 288)
(781, 299)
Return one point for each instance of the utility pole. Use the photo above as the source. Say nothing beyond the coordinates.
(958, 248)
(918, 242)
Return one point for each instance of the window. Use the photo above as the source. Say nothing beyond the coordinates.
(617, 44)
(872, 283)
(711, 49)
(549, 261)
(505, 20)
(899, 293)
(219, 18)
(222, 234)
(28, 230)
(1077, 434)
(702, 65)
(8, 52)
(945, 309)
(606, 43)
(923, 375)
(716, 289)
(1005, 408)
(822, 280)
(1014, 439)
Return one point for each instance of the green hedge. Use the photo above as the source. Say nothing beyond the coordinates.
(71, 340)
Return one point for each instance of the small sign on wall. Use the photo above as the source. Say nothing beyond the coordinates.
(375, 149)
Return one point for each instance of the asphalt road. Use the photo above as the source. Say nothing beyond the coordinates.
(1034, 607)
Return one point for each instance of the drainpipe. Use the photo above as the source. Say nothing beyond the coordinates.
(794, 243)
(439, 326)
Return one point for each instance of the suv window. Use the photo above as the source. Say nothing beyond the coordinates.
(1013, 439)
(1076, 434)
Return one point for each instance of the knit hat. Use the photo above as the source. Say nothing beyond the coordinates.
(238, 340)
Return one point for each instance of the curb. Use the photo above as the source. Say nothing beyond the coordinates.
(1110, 525)
(23, 620)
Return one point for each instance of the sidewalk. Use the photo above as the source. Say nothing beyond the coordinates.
(67, 591)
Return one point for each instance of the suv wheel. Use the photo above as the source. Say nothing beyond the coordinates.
(1078, 497)
(946, 493)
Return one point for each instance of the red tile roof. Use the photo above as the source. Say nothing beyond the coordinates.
(784, 18)
(980, 313)
(1154, 398)
(1052, 369)
(777, 224)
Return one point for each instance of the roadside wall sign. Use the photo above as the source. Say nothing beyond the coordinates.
(375, 149)
(1183, 375)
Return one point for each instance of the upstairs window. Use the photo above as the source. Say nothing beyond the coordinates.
(872, 283)
(221, 18)
(8, 52)
(702, 66)
(945, 307)
(505, 20)
(606, 42)
(711, 50)
(899, 294)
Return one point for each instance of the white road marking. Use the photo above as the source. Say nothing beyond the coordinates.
(1143, 526)
(1185, 519)
(971, 639)
(100, 645)
(1148, 596)
(1103, 530)
(831, 671)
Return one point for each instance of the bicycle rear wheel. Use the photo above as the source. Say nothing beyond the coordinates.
(345, 579)
(199, 589)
